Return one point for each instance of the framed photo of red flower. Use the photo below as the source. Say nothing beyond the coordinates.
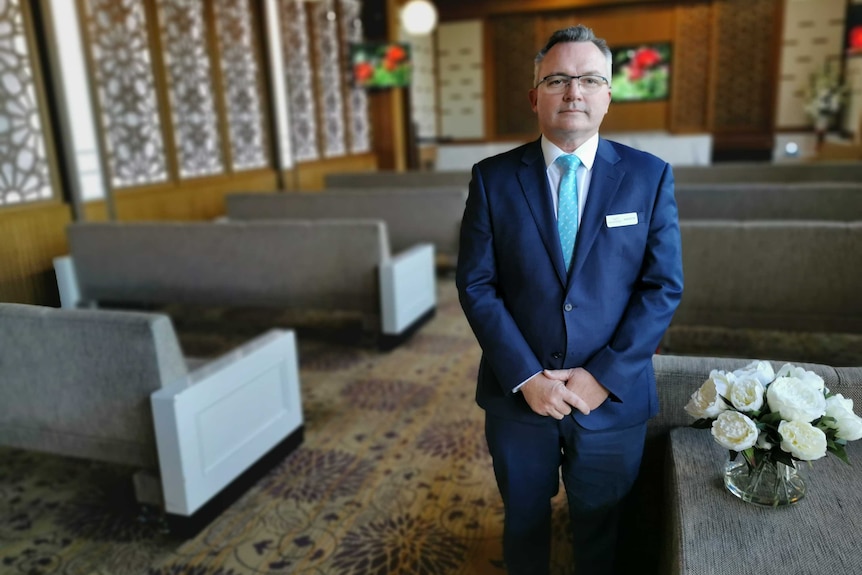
(853, 37)
(378, 65)
(641, 73)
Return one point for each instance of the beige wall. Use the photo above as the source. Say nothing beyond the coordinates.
(423, 85)
(813, 35)
(461, 89)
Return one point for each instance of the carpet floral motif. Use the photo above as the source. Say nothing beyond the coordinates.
(379, 395)
(60, 515)
(402, 544)
(318, 475)
(458, 440)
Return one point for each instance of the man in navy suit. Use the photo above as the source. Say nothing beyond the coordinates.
(566, 378)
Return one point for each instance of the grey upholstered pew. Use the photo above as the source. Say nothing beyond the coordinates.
(415, 215)
(779, 275)
(733, 172)
(830, 201)
(114, 386)
(763, 172)
(403, 180)
(327, 265)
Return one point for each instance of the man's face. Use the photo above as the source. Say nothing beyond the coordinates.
(570, 118)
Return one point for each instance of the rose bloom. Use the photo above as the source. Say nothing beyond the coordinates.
(646, 58)
(802, 440)
(734, 430)
(762, 370)
(705, 402)
(362, 71)
(746, 393)
(722, 380)
(633, 73)
(788, 370)
(848, 425)
(796, 399)
(395, 53)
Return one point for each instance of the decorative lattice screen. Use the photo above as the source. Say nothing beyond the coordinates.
(125, 90)
(25, 175)
(188, 72)
(242, 84)
(299, 80)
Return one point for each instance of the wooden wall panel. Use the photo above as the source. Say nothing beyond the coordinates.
(30, 237)
(619, 25)
(387, 111)
(513, 44)
(690, 84)
(516, 38)
(310, 177)
(723, 70)
(743, 65)
(635, 117)
(744, 62)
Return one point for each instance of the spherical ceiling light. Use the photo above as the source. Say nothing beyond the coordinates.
(418, 17)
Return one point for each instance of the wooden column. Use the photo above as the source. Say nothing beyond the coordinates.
(388, 112)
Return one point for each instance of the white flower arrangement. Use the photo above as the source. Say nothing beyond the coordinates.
(826, 95)
(782, 417)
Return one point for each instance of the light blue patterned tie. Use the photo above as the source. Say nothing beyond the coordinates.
(567, 209)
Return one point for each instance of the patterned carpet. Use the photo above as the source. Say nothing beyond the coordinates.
(393, 478)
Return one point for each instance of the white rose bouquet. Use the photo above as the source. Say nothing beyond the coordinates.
(826, 94)
(780, 417)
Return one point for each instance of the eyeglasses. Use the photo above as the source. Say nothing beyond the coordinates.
(559, 83)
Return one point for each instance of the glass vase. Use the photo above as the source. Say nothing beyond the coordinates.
(767, 482)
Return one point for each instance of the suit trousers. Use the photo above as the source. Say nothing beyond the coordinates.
(598, 468)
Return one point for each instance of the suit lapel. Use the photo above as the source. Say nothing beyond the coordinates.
(604, 185)
(533, 177)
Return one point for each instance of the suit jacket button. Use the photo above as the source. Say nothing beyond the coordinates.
(556, 355)
(567, 307)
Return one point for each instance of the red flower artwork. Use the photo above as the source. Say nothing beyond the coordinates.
(643, 60)
(381, 65)
(362, 71)
(855, 39)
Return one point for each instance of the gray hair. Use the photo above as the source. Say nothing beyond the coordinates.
(579, 33)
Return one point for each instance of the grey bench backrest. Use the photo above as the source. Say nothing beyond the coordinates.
(769, 172)
(411, 216)
(772, 275)
(78, 382)
(833, 201)
(397, 179)
(296, 263)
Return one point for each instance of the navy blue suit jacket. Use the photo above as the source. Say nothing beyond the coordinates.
(607, 315)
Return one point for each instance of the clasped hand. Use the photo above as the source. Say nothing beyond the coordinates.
(555, 392)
